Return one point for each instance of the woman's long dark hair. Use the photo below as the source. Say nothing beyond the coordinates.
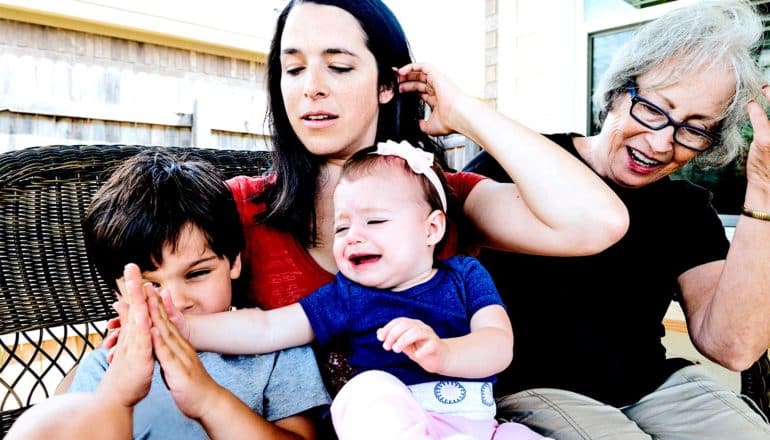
(291, 201)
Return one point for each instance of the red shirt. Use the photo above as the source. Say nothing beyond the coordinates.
(280, 271)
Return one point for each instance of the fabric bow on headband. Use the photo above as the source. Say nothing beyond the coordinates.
(420, 161)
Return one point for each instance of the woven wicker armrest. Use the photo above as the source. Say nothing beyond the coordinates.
(52, 302)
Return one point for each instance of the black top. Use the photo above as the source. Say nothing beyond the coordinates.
(593, 324)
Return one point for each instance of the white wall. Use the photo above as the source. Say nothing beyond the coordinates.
(537, 62)
(448, 34)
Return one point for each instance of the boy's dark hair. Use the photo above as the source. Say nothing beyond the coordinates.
(146, 203)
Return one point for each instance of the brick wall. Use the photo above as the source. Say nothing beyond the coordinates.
(490, 53)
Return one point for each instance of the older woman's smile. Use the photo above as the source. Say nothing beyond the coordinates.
(642, 160)
(633, 155)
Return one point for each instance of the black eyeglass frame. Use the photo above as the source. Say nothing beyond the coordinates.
(635, 98)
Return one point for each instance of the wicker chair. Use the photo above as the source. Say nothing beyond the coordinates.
(52, 302)
(755, 383)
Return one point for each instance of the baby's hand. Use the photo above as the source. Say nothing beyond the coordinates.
(190, 385)
(174, 315)
(417, 340)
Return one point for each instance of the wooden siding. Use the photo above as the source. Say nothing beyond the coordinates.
(64, 86)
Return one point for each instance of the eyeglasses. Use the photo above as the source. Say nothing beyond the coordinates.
(653, 117)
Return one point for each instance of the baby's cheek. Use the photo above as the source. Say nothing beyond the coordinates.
(338, 252)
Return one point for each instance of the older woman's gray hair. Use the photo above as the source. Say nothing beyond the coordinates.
(693, 38)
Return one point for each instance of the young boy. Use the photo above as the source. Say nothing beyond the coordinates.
(177, 221)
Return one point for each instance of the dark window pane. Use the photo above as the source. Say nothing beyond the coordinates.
(602, 46)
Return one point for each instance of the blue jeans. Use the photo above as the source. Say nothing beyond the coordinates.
(689, 405)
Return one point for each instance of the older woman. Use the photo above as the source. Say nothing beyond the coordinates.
(588, 358)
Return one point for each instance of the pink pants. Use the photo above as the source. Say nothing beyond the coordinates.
(376, 405)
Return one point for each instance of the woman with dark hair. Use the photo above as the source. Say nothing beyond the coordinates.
(340, 80)
(588, 360)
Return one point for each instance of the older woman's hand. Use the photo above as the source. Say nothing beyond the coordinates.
(758, 161)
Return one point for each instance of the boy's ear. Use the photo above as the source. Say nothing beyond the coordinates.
(386, 94)
(235, 267)
(435, 226)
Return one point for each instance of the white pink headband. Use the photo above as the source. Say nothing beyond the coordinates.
(420, 161)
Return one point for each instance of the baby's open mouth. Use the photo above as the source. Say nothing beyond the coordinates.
(363, 259)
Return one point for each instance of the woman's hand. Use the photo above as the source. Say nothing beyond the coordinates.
(128, 378)
(417, 340)
(758, 161)
(437, 91)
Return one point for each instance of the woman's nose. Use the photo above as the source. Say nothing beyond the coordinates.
(663, 140)
(315, 86)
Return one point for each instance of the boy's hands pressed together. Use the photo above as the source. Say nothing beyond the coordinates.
(417, 340)
(114, 324)
(127, 380)
(191, 386)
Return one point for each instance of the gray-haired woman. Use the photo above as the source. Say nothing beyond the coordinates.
(588, 359)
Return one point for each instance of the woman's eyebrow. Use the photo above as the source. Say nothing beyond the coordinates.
(329, 51)
(339, 51)
(697, 116)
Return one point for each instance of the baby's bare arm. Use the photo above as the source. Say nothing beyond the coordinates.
(248, 331)
(199, 397)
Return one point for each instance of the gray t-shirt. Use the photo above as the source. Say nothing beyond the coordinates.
(275, 385)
